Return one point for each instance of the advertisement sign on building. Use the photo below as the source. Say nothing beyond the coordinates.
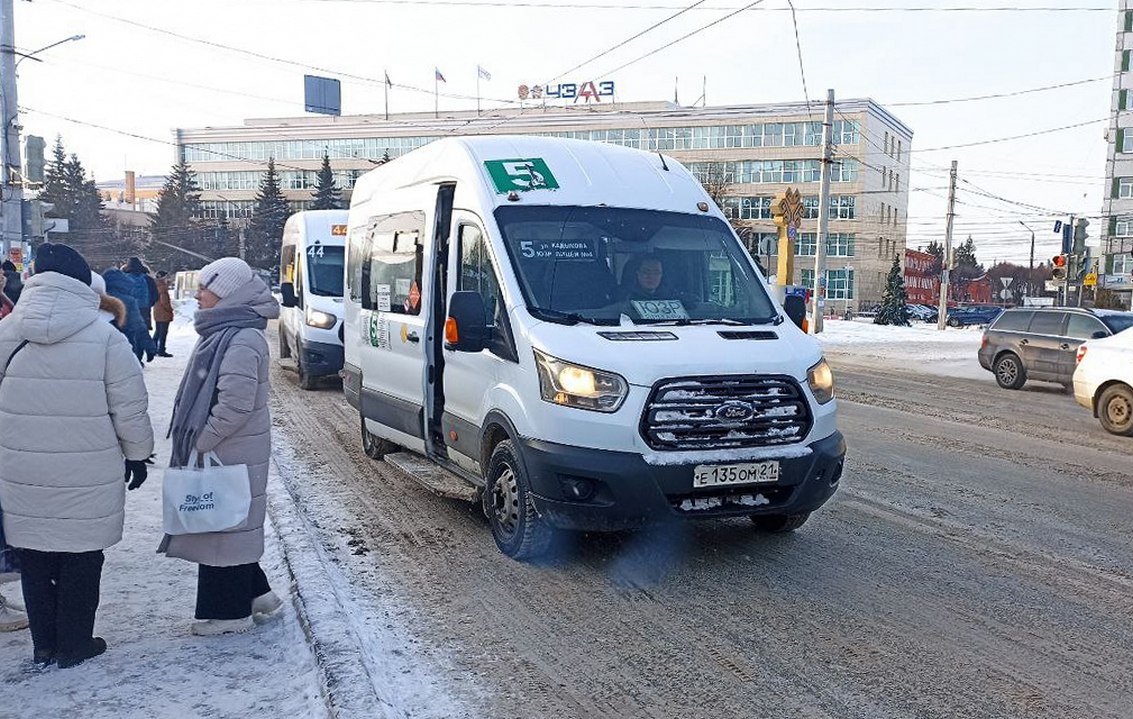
(589, 91)
(921, 283)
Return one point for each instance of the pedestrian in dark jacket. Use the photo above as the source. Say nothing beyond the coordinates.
(69, 374)
(222, 407)
(15, 283)
(145, 288)
(121, 287)
(162, 313)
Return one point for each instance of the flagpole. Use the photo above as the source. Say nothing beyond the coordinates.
(387, 94)
(477, 91)
(436, 97)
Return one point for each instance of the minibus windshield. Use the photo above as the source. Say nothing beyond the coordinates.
(325, 269)
(600, 264)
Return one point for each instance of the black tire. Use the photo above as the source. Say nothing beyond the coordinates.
(376, 447)
(284, 350)
(779, 523)
(1009, 371)
(306, 380)
(519, 531)
(1115, 410)
(952, 322)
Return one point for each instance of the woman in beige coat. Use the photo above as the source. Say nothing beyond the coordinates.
(222, 407)
(73, 423)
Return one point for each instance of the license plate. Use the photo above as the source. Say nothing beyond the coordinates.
(714, 475)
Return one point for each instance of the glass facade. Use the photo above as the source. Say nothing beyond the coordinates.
(774, 134)
(838, 244)
(839, 283)
(776, 172)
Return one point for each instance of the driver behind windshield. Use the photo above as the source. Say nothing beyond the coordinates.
(641, 278)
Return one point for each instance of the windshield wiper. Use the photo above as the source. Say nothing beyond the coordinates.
(565, 318)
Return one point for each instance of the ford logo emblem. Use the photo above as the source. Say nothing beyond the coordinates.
(735, 411)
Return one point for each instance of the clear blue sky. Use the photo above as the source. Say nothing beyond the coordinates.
(143, 82)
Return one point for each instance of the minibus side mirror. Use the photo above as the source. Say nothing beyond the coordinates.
(795, 307)
(466, 329)
(287, 290)
(1099, 335)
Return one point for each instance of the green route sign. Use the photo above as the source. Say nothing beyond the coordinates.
(521, 175)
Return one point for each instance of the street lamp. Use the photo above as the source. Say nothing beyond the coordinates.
(1030, 276)
(32, 55)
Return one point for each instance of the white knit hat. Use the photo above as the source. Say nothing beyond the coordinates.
(97, 283)
(225, 276)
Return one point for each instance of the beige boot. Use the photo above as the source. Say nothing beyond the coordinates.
(11, 619)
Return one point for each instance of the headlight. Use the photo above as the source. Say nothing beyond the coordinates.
(821, 381)
(322, 320)
(581, 387)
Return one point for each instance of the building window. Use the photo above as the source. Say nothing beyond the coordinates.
(1124, 140)
(843, 170)
(810, 208)
(1125, 61)
(897, 182)
(1122, 264)
(807, 244)
(1124, 187)
(1123, 226)
(898, 151)
(842, 207)
(839, 283)
(887, 142)
(1129, 21)
(895, 211)
(845, 132)
(840, 244)
(1122, 99)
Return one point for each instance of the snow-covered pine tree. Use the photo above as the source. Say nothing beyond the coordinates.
(895, 302)
(327, 194)
(265, 230)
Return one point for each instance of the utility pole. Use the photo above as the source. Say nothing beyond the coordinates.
(819, 296)
(11, 180)
(942, 317)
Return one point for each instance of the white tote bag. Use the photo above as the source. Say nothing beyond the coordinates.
(209, 498)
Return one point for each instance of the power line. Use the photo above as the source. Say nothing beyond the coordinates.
(272, 58)
(999, 95)
(1013, 137)
(682, 38)
(799, 49)
(627, 41)
(643, 6)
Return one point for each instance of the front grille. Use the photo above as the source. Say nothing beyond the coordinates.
(726, 412)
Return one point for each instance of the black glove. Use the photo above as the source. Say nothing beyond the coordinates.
(136, 469)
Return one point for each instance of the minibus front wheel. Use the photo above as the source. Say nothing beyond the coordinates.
(519, 531)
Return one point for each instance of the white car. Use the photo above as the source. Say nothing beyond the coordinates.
(1103, 381)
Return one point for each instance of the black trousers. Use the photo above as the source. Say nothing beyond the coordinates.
(160, 335)
(227, 592)
(61, 590)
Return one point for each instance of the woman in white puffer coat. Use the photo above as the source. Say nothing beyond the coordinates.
(73, 417)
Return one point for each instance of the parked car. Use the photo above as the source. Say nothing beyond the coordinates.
(1103, 381)
(1042, 343)
(919, 312)
(973, 315)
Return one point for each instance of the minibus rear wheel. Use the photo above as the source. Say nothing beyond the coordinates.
(519, 531)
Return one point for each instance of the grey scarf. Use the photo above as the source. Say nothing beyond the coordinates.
(249, 307)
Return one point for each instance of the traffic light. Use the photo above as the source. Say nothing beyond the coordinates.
(1080, 235)
(1058, 268)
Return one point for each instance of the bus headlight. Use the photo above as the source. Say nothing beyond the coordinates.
(580, 387)
(322, 320)
(821, 381)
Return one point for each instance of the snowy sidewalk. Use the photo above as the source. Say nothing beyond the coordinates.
(153, 666)
(918, 348)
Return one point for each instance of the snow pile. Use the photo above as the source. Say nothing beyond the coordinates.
(154, 667)
(920, 347)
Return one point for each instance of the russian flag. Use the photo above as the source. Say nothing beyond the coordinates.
(439, 76)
